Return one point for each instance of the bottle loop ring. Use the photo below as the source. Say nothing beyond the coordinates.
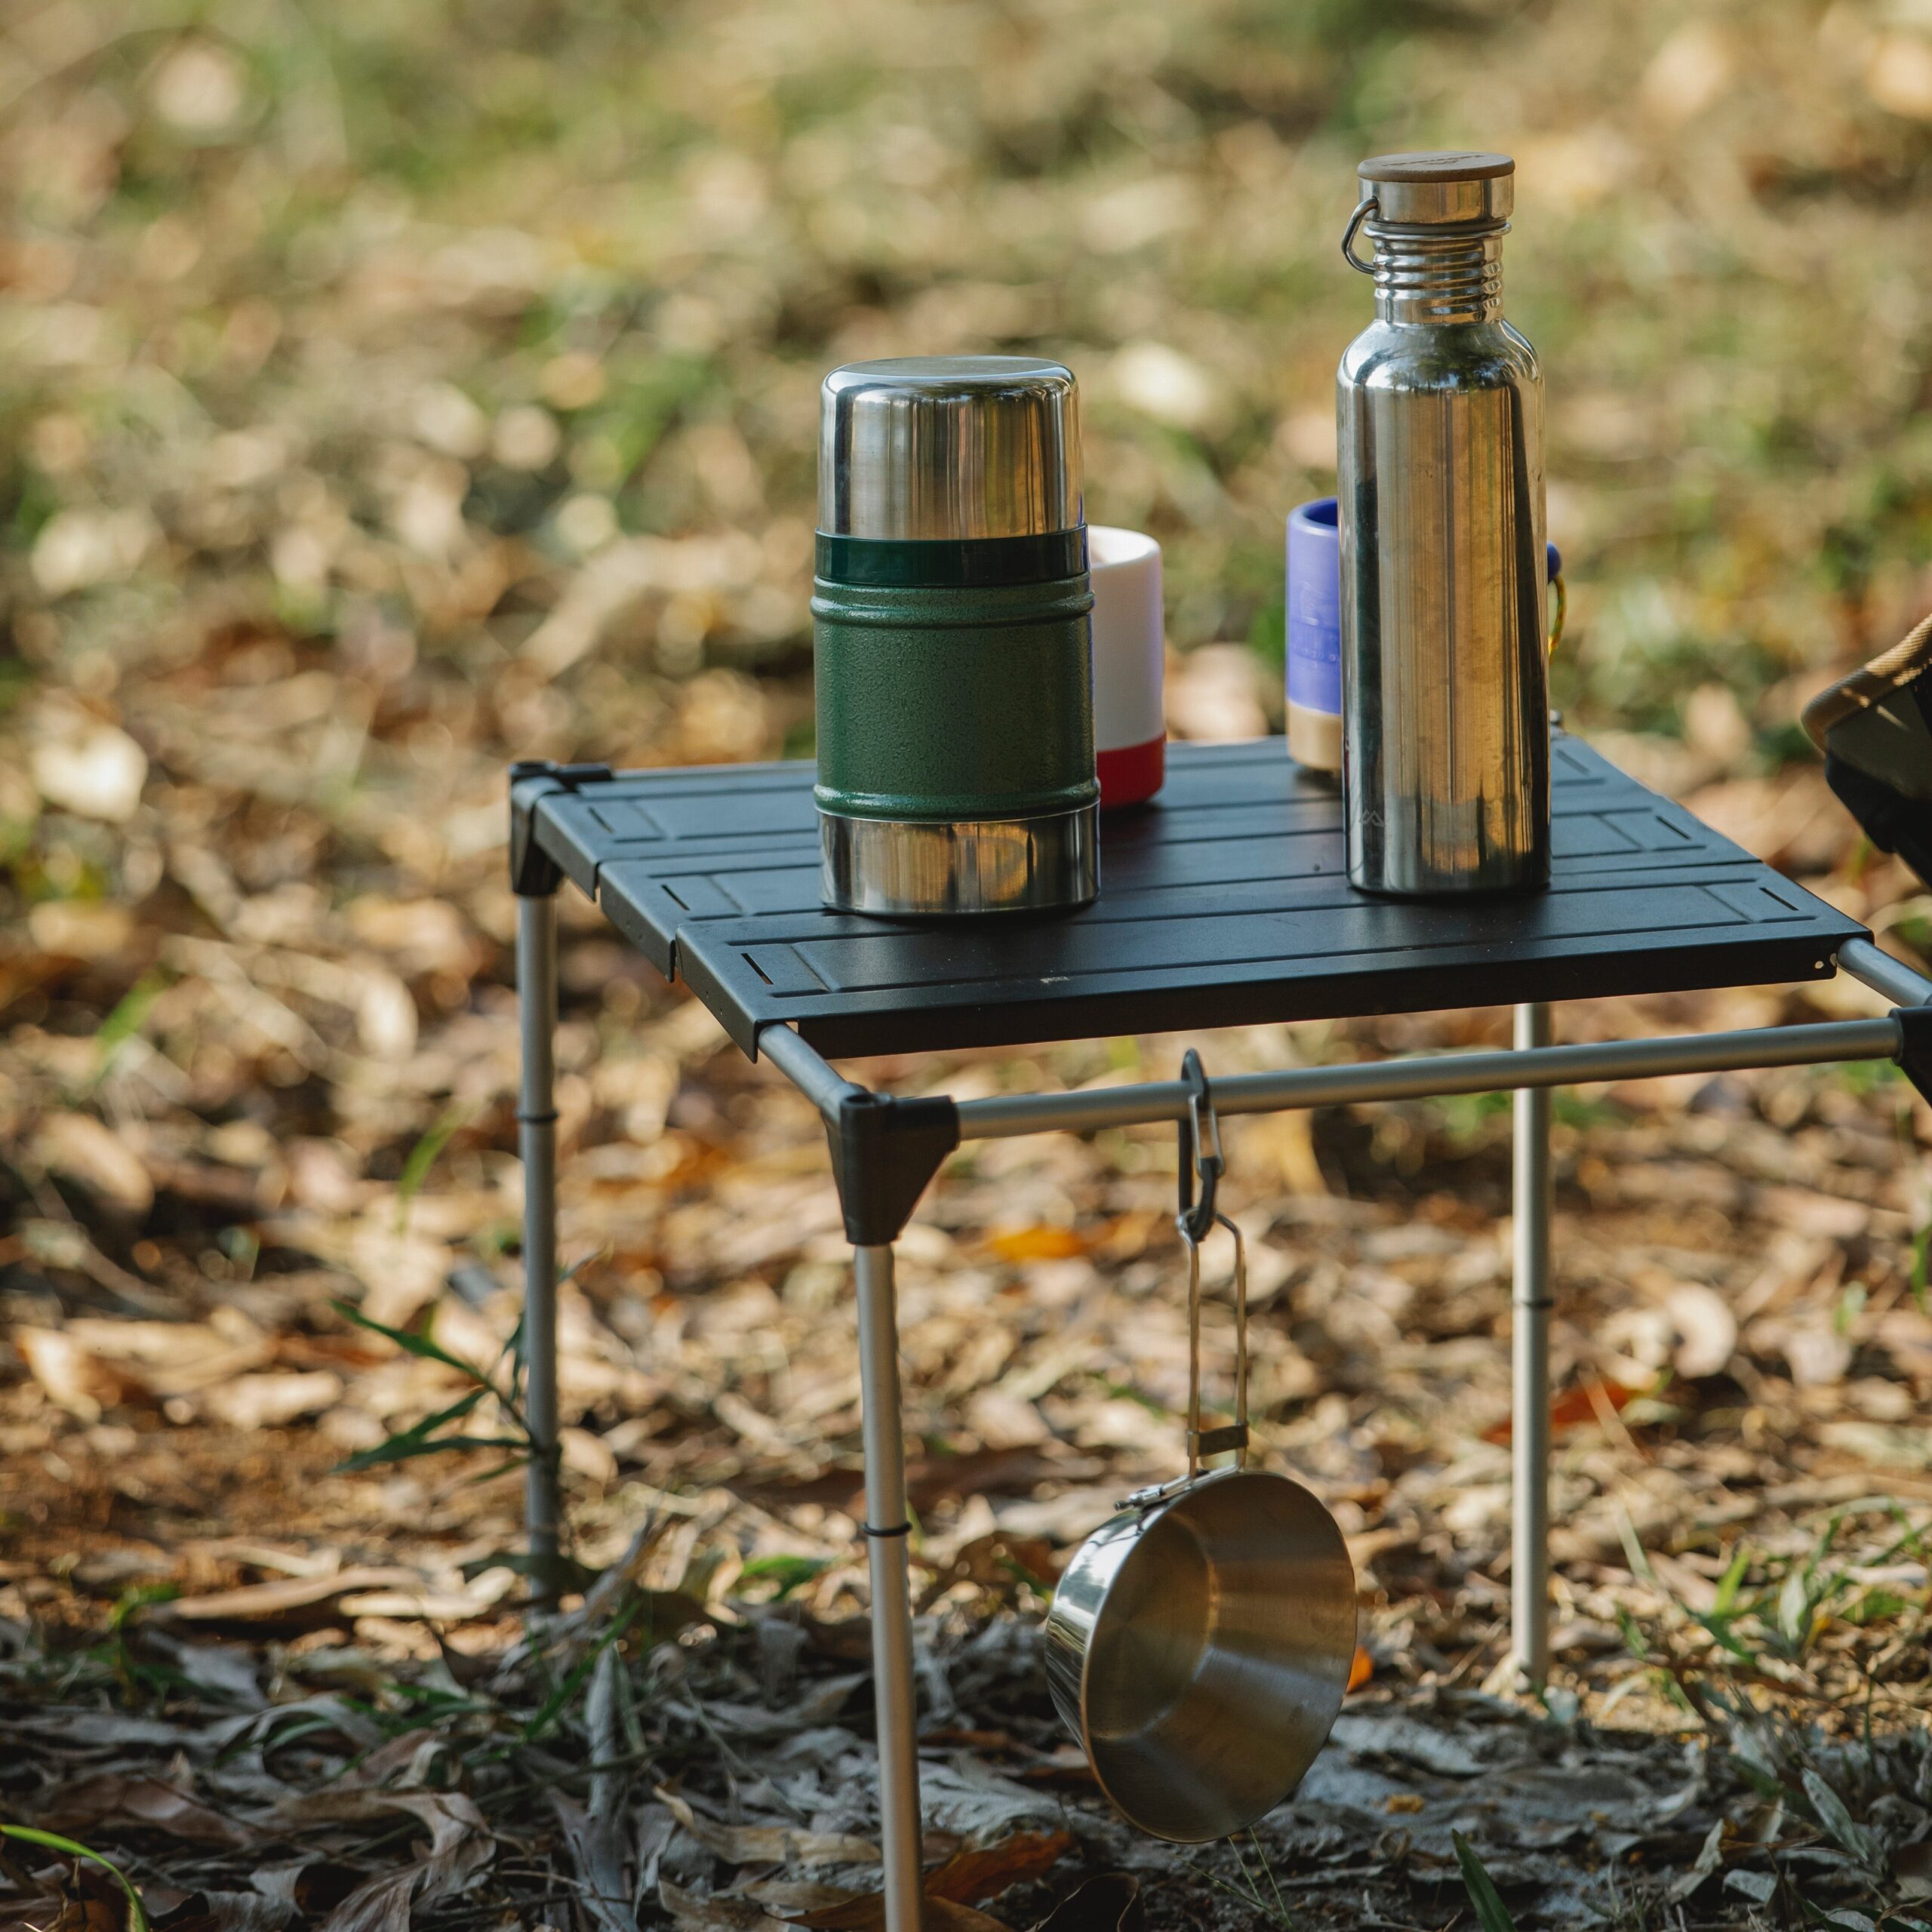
(1366, 206)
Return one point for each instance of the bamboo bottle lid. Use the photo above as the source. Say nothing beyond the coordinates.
(1448, 186)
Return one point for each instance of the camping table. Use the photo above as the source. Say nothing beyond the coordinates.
(1224, 903)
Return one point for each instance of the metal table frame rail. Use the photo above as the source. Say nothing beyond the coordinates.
(884, 1151)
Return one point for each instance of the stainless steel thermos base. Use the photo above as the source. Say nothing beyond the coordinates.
(914, 867)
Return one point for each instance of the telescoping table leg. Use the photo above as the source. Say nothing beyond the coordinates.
(1529, 1542)
(887, 1533)
(536, 1138)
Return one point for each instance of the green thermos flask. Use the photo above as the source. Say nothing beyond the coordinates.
(952, 639)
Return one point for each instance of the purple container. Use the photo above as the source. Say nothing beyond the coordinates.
(1314, 637)
(1314, 634)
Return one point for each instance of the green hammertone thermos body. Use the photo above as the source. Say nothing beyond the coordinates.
(952, 639)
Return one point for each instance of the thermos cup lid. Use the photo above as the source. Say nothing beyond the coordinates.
(1448, 186)
(938, 447)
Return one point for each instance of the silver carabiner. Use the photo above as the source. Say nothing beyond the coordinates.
(1201, 1163)
(1193, 1222)
(1355, 220)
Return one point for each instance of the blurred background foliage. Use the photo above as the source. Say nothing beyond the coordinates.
(450, 370)
(390, 390)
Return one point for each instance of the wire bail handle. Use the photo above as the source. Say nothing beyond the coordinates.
(1366, 206)
(1203, 1163)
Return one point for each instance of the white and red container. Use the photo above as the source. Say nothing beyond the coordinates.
(1130, 728)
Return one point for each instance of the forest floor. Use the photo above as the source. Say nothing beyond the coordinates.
(268, 1655)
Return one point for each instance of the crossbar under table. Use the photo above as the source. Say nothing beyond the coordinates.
(1224, 902)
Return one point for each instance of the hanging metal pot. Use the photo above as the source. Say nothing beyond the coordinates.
(1199, 1644)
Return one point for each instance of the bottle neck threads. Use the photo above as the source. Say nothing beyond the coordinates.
(1437, 273)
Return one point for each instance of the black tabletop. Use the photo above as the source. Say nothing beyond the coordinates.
(1224, 902)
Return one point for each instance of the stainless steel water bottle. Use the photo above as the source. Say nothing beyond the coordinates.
(1445, 681)
(952, 639)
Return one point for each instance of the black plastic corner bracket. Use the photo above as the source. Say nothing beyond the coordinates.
(533, 873)
(1914, 1053)
(884, 1151)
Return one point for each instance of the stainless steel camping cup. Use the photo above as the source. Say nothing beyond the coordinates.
(951, 638)
(1199, 1645)
(1445, 681)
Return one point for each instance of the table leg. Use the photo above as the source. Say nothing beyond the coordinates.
(887, 1533)
(537, 1136)
(1529, 1551)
